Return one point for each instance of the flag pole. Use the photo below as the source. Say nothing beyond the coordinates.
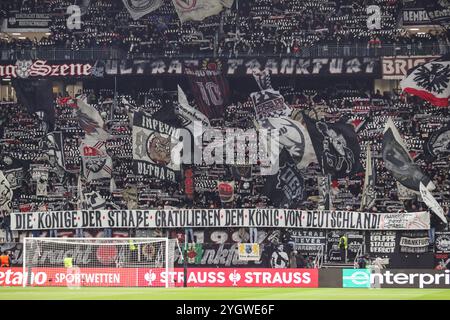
(184, 259)
(114, 104)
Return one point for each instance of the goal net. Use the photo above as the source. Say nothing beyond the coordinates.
(100, 262)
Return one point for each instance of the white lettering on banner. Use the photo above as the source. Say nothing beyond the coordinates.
(87, 278)
(40, 68)
(397, 67)
(14, 277)
(219, 218)
(148, 277)
(415, 279)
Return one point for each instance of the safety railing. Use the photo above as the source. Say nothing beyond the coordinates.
(321, 51)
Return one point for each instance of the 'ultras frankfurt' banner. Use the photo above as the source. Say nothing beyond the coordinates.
(176, 66)
(157, 277)
(242, 66)
(153, 141)
(211, 91)
(206, 218)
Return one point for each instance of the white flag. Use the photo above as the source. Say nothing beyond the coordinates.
(97, 164)
(94, 201)
(41, 182)
(6, 193)
(190, 116)
(369, 193)
(139, 8)
(90, 119)
(431, 202)
(198, 10)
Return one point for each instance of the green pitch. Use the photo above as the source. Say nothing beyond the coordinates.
(221, 294)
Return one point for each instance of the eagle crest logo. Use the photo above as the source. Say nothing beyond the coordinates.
(434, 78)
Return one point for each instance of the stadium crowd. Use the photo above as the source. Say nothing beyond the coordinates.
(250, 27)
(23, 147)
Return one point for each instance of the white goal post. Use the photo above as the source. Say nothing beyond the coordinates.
(89, 262)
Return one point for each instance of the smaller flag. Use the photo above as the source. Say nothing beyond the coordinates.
(97, 164)
(369, 193)
(336, 146)
(398, 161)
(431, 203)
(140, 8)
(94, 201)
(55, 148)
(6, 193)
(437, 146)
(36, 95)
(226, 191)
(262, 78)
(90, 119)
(198, 10)
(286, 188)
(191, 118)
(211, 91)
(294, 137)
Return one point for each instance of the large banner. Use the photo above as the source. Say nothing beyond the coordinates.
(154, 277)
(42, 68)
(308, 242)
(177, 66)
(243, 66)
(415, 17)
(396, 68)
(205, 218)
(381, 242)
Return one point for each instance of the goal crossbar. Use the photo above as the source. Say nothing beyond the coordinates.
(89, 261)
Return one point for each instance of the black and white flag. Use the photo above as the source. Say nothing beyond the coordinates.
(55, 148)
(294, 137)
(154, 143)
(140, 8)
(336, 146)
(399, 162)
(37, 96)
(369, 193)
(14, 177)
(94, 201)
(437, 146)
(431, 203)
(191, 119)
(262, 78)
(6, 193)
(287, 187)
